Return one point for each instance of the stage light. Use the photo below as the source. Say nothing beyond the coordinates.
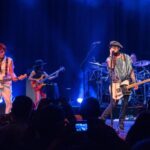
(1, 100)
(80, 100)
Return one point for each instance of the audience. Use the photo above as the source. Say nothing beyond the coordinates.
(142, 145)
(90, 109)
(140, 130)
(52, 127)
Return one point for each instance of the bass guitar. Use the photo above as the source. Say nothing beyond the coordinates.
(38, 83)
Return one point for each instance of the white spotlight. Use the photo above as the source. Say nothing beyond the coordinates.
(79, 100)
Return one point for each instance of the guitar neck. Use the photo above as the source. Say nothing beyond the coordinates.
(53, 75)
(5, 80)
(138, 83)
(49, 76)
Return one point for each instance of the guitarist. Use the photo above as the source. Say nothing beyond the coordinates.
(120, 69)
(6, 72)
(35, 77)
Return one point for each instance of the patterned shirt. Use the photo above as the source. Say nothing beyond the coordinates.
(3, 70)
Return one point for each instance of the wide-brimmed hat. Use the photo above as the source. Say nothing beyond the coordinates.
(115, 43)
(39, 62)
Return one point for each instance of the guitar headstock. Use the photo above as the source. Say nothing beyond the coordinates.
(21, 77)
(61, 69)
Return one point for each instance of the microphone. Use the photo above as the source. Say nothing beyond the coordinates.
(112, 54)
(96, 42)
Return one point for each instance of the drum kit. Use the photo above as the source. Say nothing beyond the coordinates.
(98, 80)
(142, 72)
(98, 73)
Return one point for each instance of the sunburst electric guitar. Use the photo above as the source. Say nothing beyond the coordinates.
(38, 83)
(5, 79)
(118, 90)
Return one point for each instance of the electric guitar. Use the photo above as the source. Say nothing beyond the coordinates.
(5, 79)
(38, 83)
(118, 90)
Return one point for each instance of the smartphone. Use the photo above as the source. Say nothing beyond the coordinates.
(81, 126)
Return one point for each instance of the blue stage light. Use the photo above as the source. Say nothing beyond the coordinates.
(80, 100)
(1, 100)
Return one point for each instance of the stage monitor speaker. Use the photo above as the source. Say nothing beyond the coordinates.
(52, 91)
(30, 91)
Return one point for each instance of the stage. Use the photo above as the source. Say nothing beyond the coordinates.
(122, 133)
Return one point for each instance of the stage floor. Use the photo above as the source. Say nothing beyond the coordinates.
(122, 134)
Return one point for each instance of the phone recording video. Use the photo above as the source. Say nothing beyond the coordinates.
(81, 126)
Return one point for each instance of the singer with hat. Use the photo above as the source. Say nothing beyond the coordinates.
(120, 69)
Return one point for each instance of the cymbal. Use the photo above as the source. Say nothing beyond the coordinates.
(142, 63)
(95, 63)
(104, 64)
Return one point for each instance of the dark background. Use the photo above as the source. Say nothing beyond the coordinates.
(61, 33)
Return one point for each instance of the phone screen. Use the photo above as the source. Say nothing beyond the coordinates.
(81, 126)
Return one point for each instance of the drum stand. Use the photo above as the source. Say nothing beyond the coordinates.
(145, 72)
(96, 75)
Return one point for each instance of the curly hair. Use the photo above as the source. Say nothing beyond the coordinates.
(2, 46)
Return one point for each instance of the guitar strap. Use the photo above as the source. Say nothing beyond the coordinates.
(124, 58)
(6, 67)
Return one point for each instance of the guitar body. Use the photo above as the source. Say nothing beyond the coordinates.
(37, 85)
(118, 90)
(39, 82)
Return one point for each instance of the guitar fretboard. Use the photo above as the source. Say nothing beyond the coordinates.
(138, 83)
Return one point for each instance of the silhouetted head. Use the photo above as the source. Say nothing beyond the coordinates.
(90, 108)
(22, 107)
(49, 121)
(142, 145)
(44, 102)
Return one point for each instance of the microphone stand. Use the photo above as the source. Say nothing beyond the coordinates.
(111, 82)
(82, 66)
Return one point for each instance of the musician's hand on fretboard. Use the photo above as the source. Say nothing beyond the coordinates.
(21, 77)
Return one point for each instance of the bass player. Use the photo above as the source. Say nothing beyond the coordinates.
(120, 69)
(36, 77)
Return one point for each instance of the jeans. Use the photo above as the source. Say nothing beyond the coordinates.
(112, 105)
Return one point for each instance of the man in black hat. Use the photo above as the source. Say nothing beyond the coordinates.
(120, 69)
(37, 77)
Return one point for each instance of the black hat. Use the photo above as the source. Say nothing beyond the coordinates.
(39, 62)
(115, 43)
